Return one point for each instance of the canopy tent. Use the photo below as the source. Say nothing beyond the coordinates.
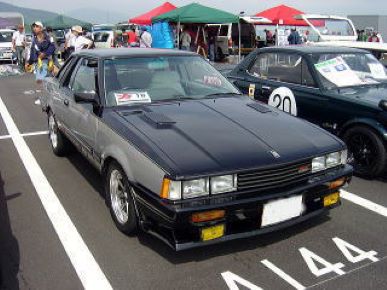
(146, 18)
(283, 15)
(64, 22)
(196, 13)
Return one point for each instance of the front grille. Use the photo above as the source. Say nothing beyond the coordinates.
(276, 177)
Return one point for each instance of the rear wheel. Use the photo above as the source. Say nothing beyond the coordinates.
(59, 143)
(119, 197)
(366, 151)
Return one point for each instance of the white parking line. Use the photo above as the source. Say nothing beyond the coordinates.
(297, 285)
(364, 202)
(37, 133)
(80, 256)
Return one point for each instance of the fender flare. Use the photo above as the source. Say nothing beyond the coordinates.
(375, 125)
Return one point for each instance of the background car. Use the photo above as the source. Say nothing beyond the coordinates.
(343, 90)
(179, 151)
(6, 53)
(103, 39)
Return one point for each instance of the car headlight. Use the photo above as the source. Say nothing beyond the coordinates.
(333, 159)
(195, 188)
(318, 164)
(329, 161)
(224, 183)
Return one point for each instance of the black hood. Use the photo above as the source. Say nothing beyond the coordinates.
(215, 136)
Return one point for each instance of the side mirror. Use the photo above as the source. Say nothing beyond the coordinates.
(85, 97)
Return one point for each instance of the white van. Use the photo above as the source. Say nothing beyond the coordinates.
(6, 53)
(103, 39)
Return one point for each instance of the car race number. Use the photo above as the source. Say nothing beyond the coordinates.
(283, 99)
(252, 91)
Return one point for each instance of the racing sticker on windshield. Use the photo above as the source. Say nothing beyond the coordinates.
(212, 81)
(338, 72)
(377, 70)
(130, 98)
(283, 99)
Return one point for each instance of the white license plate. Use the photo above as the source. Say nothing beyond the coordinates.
(7, 55)
(280, 210)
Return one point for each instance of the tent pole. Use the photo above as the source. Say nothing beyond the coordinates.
(178, 34)
(239, 39)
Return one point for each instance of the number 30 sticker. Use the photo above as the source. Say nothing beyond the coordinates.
(283, 99)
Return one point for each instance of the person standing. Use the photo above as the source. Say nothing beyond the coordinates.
(374, 37)
(19, 44)
(132, 37)
(54, 40)
(145, 38)
(41, 52)
(185, 40)
(294, 38)
(80, 41)
(69, 44)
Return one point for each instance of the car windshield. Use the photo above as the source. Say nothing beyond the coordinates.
(149, 79)
(101, 36)
(6, 36)
(349, 69)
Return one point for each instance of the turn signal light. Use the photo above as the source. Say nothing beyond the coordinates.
(208, 216)
(337, 183)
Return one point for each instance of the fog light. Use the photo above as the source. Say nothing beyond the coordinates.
(207, 216)
(331, 199)
(337, 183)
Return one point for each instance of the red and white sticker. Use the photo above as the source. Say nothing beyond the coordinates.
(212, 81)
(130, 98)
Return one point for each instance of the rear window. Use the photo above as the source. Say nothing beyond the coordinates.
(101, 36)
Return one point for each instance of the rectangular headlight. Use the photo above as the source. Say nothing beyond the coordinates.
(333, 159)
(195, 188)
(224, 183)
(318, 164)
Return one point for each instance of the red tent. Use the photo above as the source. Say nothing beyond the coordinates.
(146, 19)
(283, 15)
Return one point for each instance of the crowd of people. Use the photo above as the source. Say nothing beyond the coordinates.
(369, 36)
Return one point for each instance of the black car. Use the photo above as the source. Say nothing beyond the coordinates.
(343, 90)
(184, 156)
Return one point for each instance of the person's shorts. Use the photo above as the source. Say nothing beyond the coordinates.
(41, 73)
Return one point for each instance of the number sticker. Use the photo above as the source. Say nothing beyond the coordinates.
(252, 90)
(283, 99)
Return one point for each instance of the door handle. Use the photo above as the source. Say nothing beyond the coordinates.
(266, 88)
(66, 102)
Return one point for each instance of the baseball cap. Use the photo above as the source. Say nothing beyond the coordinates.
(37, 23)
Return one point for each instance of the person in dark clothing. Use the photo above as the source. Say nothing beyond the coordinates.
(42, 50)
(294, 38)
(54, 40)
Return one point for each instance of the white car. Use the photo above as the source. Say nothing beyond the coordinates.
(103, 39)
(6, 53)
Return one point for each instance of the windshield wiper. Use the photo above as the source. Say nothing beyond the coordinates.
(222, 94)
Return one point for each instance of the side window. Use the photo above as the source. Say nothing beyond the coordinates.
(281, 67)
(66, 72)
(85, 79)
(307, 78)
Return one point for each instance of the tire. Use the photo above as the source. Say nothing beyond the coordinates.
(366, 151)
(119, 198)
(59, 143)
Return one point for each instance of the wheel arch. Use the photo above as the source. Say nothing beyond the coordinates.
(374, 125)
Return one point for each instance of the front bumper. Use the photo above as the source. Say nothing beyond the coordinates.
(172, 222)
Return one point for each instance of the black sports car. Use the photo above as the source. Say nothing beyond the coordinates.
(343, 90)
(183, 154)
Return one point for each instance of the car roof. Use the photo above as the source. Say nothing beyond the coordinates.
(131, 52)
(315, 49)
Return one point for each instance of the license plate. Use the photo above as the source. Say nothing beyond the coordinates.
(212, 233)
(7, 55)
(331, 199)
(280, 210)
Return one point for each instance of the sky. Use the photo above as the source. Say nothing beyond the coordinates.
(133, 8)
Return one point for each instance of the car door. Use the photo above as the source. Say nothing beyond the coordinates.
(81, 116)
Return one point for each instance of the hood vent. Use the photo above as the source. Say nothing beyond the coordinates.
(260, 108)
(159, 120)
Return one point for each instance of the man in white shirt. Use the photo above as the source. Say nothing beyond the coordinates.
(145, 38)
(18, 44)
(69, 44)
(80, 41)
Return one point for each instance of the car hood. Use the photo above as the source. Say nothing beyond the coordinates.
(371, 95)
(214, 136)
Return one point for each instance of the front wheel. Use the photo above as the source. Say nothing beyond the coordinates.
(366, 151)
(59, 143)
(119, 197)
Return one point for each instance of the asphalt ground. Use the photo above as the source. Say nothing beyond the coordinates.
(33, 255)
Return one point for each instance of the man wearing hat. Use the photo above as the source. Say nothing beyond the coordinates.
(42, 49)
(145, 38)
(80, 41)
